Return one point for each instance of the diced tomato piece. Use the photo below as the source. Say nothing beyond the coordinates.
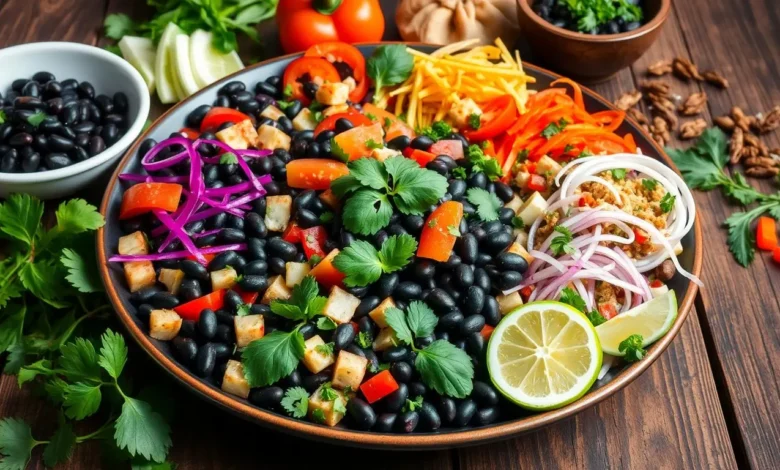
(292, 233)
(586, 200)
(422, 157)
(607, 311)
(656, 284)
(353, 144)
(640, 236)
(453, 148)
(207, 256)
(379, 386)
(766, 234)
(397, 129)
(537, 183)
(314, 173)
(486, 331)
(327, 274)
(305, 69)
(329, 123)
(191, 310)
(437, 238)
(218, 116)
(146, 197)
(526, 292)
(313, 239)
(248, 298)
(496, 118)
(189, 133)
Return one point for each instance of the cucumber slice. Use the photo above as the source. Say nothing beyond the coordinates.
(141, 54)
(208, 64)
(181, 62)
(168, 88)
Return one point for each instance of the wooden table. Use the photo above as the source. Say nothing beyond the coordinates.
(711, 401)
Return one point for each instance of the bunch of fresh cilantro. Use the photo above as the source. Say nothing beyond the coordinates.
(702, 168)
(222, 17)
(49, 286)
(590, 14)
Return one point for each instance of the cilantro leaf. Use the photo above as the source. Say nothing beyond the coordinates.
(3, 117)
(16, 444)
(272, 357)
(339, 406)
(364, 339)
(77, 216)
(318, 416)
(326, 349)
(713, 144)
(82, 274)
(304, 302)
(474, 121)
(437, 131)
(632, 347)
(667, 202)
(142, 431)
(570, 297)
(288, 90)
(562, 243)
(20, 217)
(43, 278)
(413, 405)
(79, 360)
(740, 237)
(366, 212)
(60, 446)
(296, 402)
(369, 172)
(118, 25)
(326, 324)
(595, 317)
(421, 319)
(414, 188)
(81, 400)
(228, 159)
(482, 163)
(11, 326)
(518, 223)
(459, 173)
(446, 369)
(619, 173)
(554, 128)
(113, 353)
(371, 144)
(345, 184)
(244, 310)
(396, 320)
(698, 173)
(487, 203)
(649, 184)
(396, 252)
(389, 65)
(360, 262)
(36, 119)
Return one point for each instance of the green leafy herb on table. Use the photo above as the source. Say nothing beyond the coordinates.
(389, 65)
(702, 168)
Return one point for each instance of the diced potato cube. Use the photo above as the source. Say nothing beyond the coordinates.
(521, 236)
(295, 272)
(341, 305)
(329, 199)
(507, 303)
(224, 278)
(271, 138)
(277, 290)
(304, 120)
(547, 164)
(383, 153)
(515, 203)
(518, 249)
(248, 328)
(277, 212)
(349, 371)
(386, 339)
(378, 314)
(316, 359)
(272, 112)
(331, 110)
(533, 208)
(661, 290)
(139, 274)
(460, 112)
(521, 179)
(240, 135)
(327, 407)
(133, 244)
(350, 82)
(234, 382)
(171, 278)
(164, 324)
(333, 93)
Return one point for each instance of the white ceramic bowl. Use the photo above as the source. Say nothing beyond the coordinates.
(108, 73)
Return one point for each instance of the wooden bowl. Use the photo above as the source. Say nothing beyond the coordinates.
(517, 422)
(586, 57)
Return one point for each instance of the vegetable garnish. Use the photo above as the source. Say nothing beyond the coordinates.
(389, 65)
(296, 402)
(632, 347)
(570, 297)
(487, 203)
(561, 243)
(479, 162)
(363, 264)
(590, 14)
(437, 131)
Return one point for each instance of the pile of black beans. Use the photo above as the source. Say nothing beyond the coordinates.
(558, 13)
(75, 123)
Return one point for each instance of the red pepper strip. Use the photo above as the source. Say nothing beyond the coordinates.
(313, 240)
(421, 157)
(191, 310)
(248, 298)
(292, 233)
(577, 90)
(537, 183)
(611, 120)
(379, 386)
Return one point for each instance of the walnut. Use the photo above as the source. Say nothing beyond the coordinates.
(762, 172)
(769, 122)
(740, 119)
(736, 145)
(759, 161)
(660, 131)
(661, 102)
(638, 116)
(655, 86)
(662, 67)
(694, 104)
(749, 152)
(753, 141)
(665, 271)
(667, 115)
(692, 129)
(725, 123)
(715, 78)
(685, 69)
(628, 100)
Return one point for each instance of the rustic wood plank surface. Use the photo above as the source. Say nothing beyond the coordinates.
(709, 402)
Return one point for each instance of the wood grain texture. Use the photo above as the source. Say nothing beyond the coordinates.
(24, 21)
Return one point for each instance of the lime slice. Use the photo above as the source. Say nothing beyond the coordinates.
(209, 64)
(181, 62)
(168, 88)
(651, 320)
(140, 52)
(544, 355)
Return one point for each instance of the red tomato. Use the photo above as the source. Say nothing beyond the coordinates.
(421, 156)
(336, 51)
(312, 240)
(526, 292)
(537, 183)
(607, 310)
(292, 233)
(640, 235)
(327, 274)
(218, 116)
(497, 117)
(246, 297)
(314, 173)
(379, 386)
(329, 123)
(191, 310)
(189, 133)
(146, 197)
(486, 331)
(306, 69)
(453, 148)
(436, 241)
(656, 284)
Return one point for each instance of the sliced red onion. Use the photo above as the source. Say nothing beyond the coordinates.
(175, 254)
(148, 160)
(178, 232)
(206, 233)
(152, 178)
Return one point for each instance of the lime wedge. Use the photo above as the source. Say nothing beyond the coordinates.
(168, 88)
(544, 355)
(181, 62)
(209, 64)
(140, 52)
(651, 320)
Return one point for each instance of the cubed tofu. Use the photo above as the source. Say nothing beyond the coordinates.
(333, 93)
(225, 278)
(330, 199)
(350, 82)
(533, 208)
(315, 359)
(277, 290)
(338, 109)
(139, 274)
(295, 272)
(327, 407)
(272, 112)
(507, 303)
(271, 138)
(133, 244)
(349, 370)
(519, 249)
(521, 179)
(304, 120)
(341, 305)
(164, 324)
(171, 278)
(386, 339)
(240, 135)
(277, 212)
(234, 382)
(515, 203)
(661, 290)
(547, 165)
(248, 328)
(378, 314)
(383, 153)
(459, 112)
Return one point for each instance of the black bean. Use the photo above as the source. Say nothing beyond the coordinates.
(491, 311)
(475, 345)
(59, 143)
(465, 411)
(222, 260)
(143, 295)
(451, 321)
(253, 283)
(266, 397)
(70, 84)
(481, 279)
(402, 372)
(467, 248)
(387, 285)
(363, 416)
(186, 349)
(31, 89)
(43, 77)
(188, 329)
(86, 90)
(437, 166)
(308, 330)
(463, 276)
(292, 380)
(312, 382)
(367, 304)
(440, 300)
(256, 248)
(277, 266)
(417, 389)
(110, 134)
(121, 103)
(343, 125)
(509, 279)
(474, 301)
(507, 261)
(194, 270)
(503, 191)
(407, 290)
(483, 259)
(395, 401)
(485, 416)
(472, 324)
(306, 218)
(399, 143)
(20, 140)
(96, 145)
(223, 351)
(260, 309)
(231, 88)
(266, 88)
(9, 161)
(448, 409)
(231, 235)
(164, 300)
(257, 267)
(205, 360)
(373, 361)
(233, 300)
(421, 142)
(190, 290)
(343, 336)
(484, 394)
(207, 324)
(385, 422)
(429, 417)
(407, 422)
(30, 163)
(282, 249)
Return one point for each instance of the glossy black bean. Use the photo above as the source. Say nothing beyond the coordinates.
(324, 136)
(9, 161)
(143, 295)
(312, 382)
(222, 260)
(485, 416)
(257, 267)
(407, 422)
(86, 90)
(343, 336)
(256, 248)
(266, 88)
(69, 84)
(85, 127)
(308, 330)
(402, 372)
(292, 380)
(233, 300)
(498, 241)
(281, 249)
(395, 401)
(509, 279)
(417, 389)
(186, 349)
(207, 324)
(395, 354)
(69, 115)
(366, 325)
(31, 162)
(481, 279)
(465, 411)
(188, 329)
(367, 304)
(18, 84)
(31, 89)
(475, 345)
(505, 215)
(463, 276)
(222, 101)
(387, 284)
(408, 291)
(385, 422)
(363, 416)
(195, 117)
(421, 142)
(43, 77)
(451, 321)
(438, 167)
(205, 360)
(266, 397)
(231, 235)
(253, 283)
(471, 324)
(164, 300)
(20, 140)
(146, 146)
(399, 143)
(429, 417)
(110, 134)
(56, 161)
(483, 259)
(58, 143)
(474, 300)
(440, 300)
(277, 265)
(96, 145)
(293, 108)
(190, 290)
(467, 248)
(307, 219)
(511, 262)
(448, 409)
(284, 124)
(121, 103)
(231, 88)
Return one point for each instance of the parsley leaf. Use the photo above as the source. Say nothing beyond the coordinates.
(364, 339)
(437, 131)
(414, 188)
(421, 319)
(113, 353)
(296, 402)
(81, 400)
(389, 65)
(396, 320)
(649, 184)
(562, 243)
(363, 264)
(371, 144)
(619, 173)
(595, 317)
(396, 252)
(446, 369)
(487, 203)
(304, 303)
(16, 444)
(325, 349)
(667, 202)
(326, 324)
(474, 121)
(60, 446)
(20, 217)
(79, 360)
(36, 119)
(554, 128)
(518, 223)
(244, 310)
(570, 297)
(414, 405)
(479, 162)
(272, 357)
(118, 25)
(632, 347)
(367, 212)
(369, 172)
(459, 173)
(142, 431)
(77, 216)
(228, 159)
(82, 272)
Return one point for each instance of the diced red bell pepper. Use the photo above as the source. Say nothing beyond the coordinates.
(655, 284)
(439, 233)
(526, 292)
(640, 236)
(218, 116)
(327, 274)
(379, 386)
(191, 310)
(537, 183)
(292, 233)
(607, 311)
(486, 331)
(313, 240)
(453, 148)
(207, 256)
(189, 133)
(146, 197)
(766, 234)
(422, 157)
(248, 298)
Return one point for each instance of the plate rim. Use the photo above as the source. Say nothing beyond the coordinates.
(368, 439)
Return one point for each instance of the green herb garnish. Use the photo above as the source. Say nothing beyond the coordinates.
(363, 264)
(487, 203)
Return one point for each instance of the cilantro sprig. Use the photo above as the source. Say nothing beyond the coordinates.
(363, 264)
(487, 203)
(554, 128)
(389, 65)
(570, 297)
(478, 162)
(438, 130)
(561, 243)
(632, 347)
(590, 14)
(296, 402)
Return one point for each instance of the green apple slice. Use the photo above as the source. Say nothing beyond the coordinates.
(141, 54)
(208, 64)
